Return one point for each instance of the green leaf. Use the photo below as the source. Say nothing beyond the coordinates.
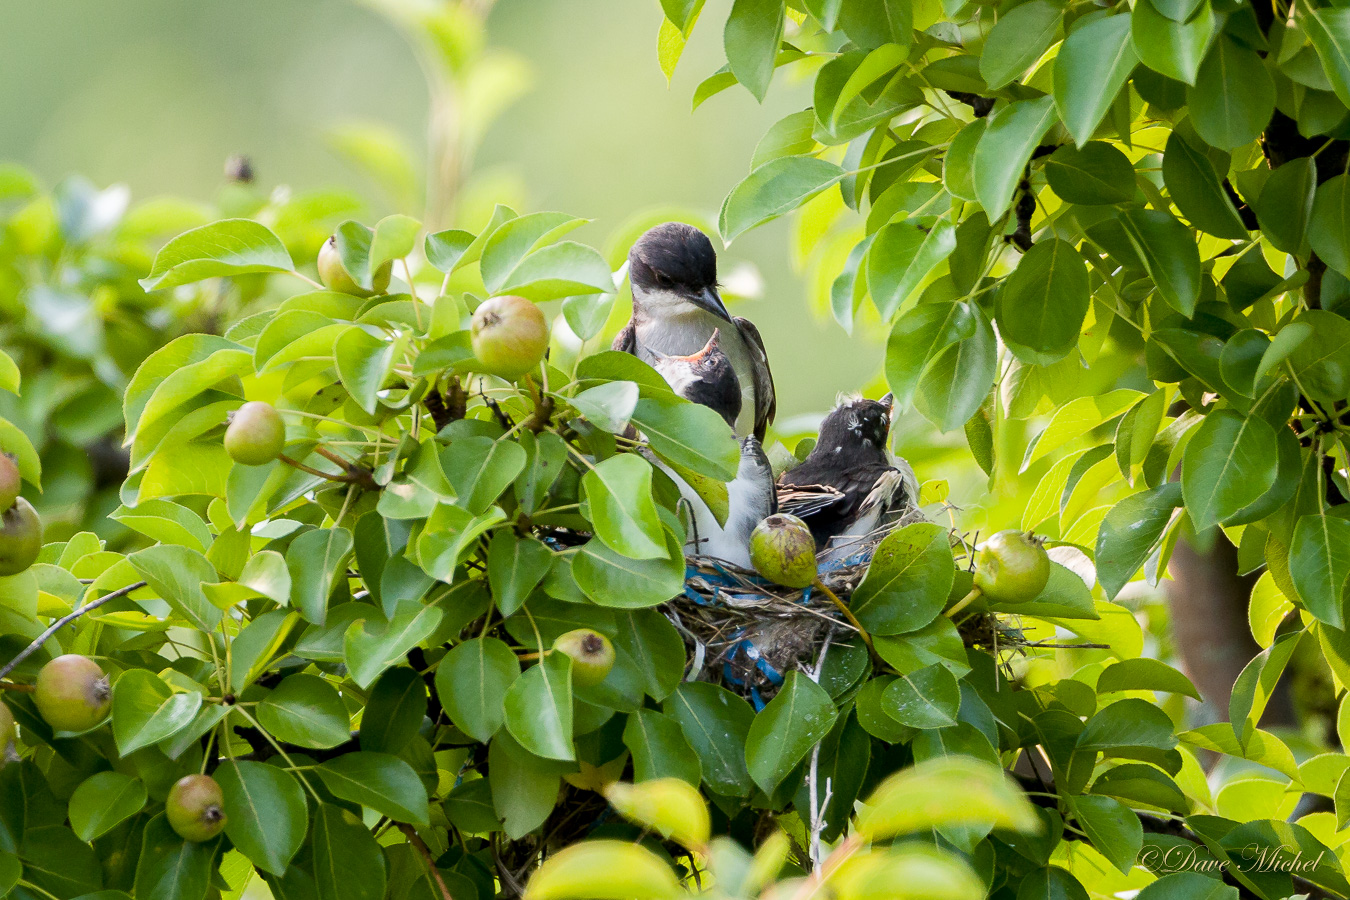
(1168, 252)
(955, 383)
(1329, 232)
(1052, 883)
(380, 781)
(146, 710)
(102, 801)
(266, 573)
(177, 574)
(1018, 39)
(480, 469)
(371, 646)
(1233, 97)
(789, 136)
(907, 582)
(871, 23)
(1284, 206)
(393, 714)
(446, 249)
(1112, 827)
(919, 798)
(879, 63)
(611, 579)
(165, 522)
(394, 238)
(516, 565)
(1319, 564)
(265, 813)
(364, 361)
(689, 435)
(901, 257)
(1126, 724)
(1145, 674)
(348, 863)
(171, 868)
(1129, 533)
(227, 247)
(538, 708)
(1228, 464)
(305, 710)
(774, 189)
(1329, 30)
(927, 698)
(1256, 683)
(1171, 47)
(1197, 189)
(507, 246)
(1095, 174)
(472, 681)
(1188, 886)
(659, 748)
(1009, 139)
(564, 269)
(524, 789)
(717, 724)
(1093, 63)
(316, 560)
(919, 335)
(783, 733)
(619, 493)
(1041, 306)
(753, 31)
(609, 406)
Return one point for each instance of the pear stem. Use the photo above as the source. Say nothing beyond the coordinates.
(848, 613)
(964, 602)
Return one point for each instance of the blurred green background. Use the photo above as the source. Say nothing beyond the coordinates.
(157, 93)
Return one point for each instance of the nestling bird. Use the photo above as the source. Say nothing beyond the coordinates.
(706, 377)
(676, 308)
(848, 486)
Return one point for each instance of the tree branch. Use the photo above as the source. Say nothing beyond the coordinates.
(416, 840)
(64, 621)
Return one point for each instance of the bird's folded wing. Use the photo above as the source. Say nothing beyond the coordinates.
(766, 401)
(803, 500)
(626, 340)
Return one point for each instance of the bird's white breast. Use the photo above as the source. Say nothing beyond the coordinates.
(683, 330)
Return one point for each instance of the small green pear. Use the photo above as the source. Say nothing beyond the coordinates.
(592, 655)
(783, 551)
(1011, 567)
(72, 693)
(196, 808)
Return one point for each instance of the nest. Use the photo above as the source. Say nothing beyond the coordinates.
(746, 633)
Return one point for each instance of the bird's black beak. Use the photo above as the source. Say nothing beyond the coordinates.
(708, 299)
(888, 401)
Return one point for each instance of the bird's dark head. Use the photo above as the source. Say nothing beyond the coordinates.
(854, 424)
(675, 264)
(705, 377)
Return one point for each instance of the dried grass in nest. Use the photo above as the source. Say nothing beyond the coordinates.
(746, 633)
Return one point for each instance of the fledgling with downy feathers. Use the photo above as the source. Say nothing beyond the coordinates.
(706, 377)
(676, 308)
(848, 486)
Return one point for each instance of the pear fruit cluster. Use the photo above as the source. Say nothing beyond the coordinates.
(20, 527)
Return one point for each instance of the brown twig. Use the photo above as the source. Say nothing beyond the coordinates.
(416, 840)
(12, 686)
(543, 407)
(62, 622)
(351, 472)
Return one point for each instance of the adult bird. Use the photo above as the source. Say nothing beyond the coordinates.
(676, 308)
(707, 377)
(848, 486)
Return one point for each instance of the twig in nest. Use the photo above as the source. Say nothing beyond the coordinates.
(66, 620)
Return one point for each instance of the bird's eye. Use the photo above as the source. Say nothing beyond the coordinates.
(660, 278)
